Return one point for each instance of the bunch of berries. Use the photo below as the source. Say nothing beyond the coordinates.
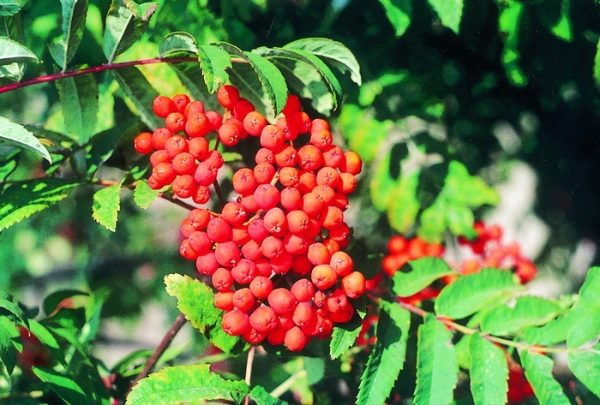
(274, 253)
(402, 250)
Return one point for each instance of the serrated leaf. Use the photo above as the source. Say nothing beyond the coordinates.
(538, 371)
(106, 206)
(449, 11)
(331, 51)
(74, 13)
(20, 200)
(9, 7)
(67, 389)
(79, 101)
(387, 357)
(125, 23)
(343, 337)
(13, 52)
(399, 13)
(143, 195)
(473, 292)
(587, 328)
(526, 311)
(192, 79)
(214, 62)
(437, 366)
(193, 385)
(488, 372)
(585, 365)
(138, 89)
(262, 397)
(17, 135)
(177, 42)
(420, 274)
(196, 301)
(271, 79)
(104, 144)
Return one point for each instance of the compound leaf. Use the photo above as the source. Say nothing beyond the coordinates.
(73, 24)
(271, 79)
(79, 101)
(538, 370)
(527, 311)
(18, 135)
(193, 385)
(488, 372)
(13, 52)
(422, 272)
(399, 13)
(387, 357)
(342, 338)
(106, 206)
(437, 365)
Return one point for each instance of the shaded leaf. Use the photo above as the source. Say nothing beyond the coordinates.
(8, 351)
(191, 385)
(343, 337)
(449, 11)
(79, 101)
(8, 163)
(420, 274)
(473, 292)
(46, 337)
(74, 13)
(177, 42)
(364, 133)
(17, 134)
(8, 304)
(104, 144)
(12, 52)
(585, 365)
(538, 371)
(488, 372)
(387, 357)
(9, 7)
(262, 397)
(437, 366)
(143, 195)
(526, 311)
(67, 389)
(20, 200)
(191, 77)
(331, 51)
(106, 206)
(271, 79)
(402, 213)
(52, 301)
(509, 21)
(399, 13)
(136, 87)
(214, 62)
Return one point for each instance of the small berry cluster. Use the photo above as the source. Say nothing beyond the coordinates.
(273, 254)
(402, 250)
(491, 252)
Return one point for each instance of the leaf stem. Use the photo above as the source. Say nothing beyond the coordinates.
(249, 363)
(287, 384)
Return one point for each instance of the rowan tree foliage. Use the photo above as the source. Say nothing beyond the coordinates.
(370, 202)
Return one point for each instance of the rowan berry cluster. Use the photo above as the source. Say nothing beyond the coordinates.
(274, 253)
(402, 250)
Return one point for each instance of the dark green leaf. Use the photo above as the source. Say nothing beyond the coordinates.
(126, 21)
(597, 65)
(526, 311)
(585, 365)
(46, 337)
(364, 133)
(8, 303)
(63, 386)
(262, 397)
(137, 88)
(177, 42)
(8, 163)
(79, 100)
(402, 212)
(191, 77)
(9, 7)
(473, 292)
(437, 366)
(449, 11)
(538, 371)
(420, 274)
(509, 21)
(12, 51)
(74, 13)
(387, 357)
(214, 62)
(52, 301)
(143, 195)
(196, 301)
(17, 134)
(104, 144)
(20, 200)
(343, 337)
(271, 79)
(399, 13)
(8, 351)
(107, 203)
(488, 373)
(331, 51)
(193, 385)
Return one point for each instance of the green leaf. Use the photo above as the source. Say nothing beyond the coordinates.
(74, 13)
(364, 132)
(538, 371)
(585, 365)
(590, 290)
(563, 28)
(17, 134)
(193, 385)
(597, 65)
(9, 7)
(343, 337)
(46, 337)
(13, 52)
(177, 42)
(79, 100)
(331, 51)
(8, 303)
(126, 21)
(107, 203)
(136, 87)
(214, 62)
(52, 301)
(196, 301)
(399, 13)
(526, 311)
(585, 329)
(271, 79)
(191, 77)
(462, 188)
(8, 162)
(382, 183)
(8, 352)
(67, 389)
(421, 273)
(473, 292)
(143, 195)
(449, 11)
(262, 397)
(509, 21)
(387, 357)
(20, 200)
(402, 212)
(488, 372)
(437, 366)
(104, 144)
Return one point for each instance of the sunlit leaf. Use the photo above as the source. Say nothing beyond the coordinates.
(402, 212)
(64, 386)
(449, 11)
(420, 274)
(17, 134)
(74, 13)
(177, 42)
(538, 371)
(509, 21)
(586, 329)
(526, 311)
(563, 28)
(399, 13)
(585, 365)
(214, 62)
(79, 100)
(107, 203)
(143, 195)
(12, 51)
(343, 337)
(488, 372)
(8, 163)
(262, 397)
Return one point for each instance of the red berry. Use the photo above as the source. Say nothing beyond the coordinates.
(163, 106)
(143, 143)
(235, 322)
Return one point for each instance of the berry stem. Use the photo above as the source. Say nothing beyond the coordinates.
(219, 193)
(249, 363)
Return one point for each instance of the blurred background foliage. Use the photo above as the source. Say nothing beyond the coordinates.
(506, 88)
